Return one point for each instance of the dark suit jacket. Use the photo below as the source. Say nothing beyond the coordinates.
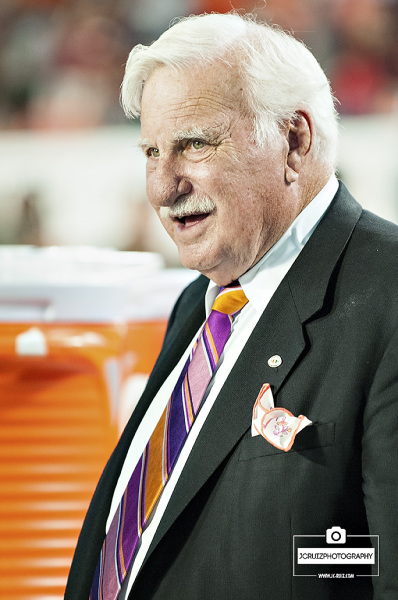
(228, 530)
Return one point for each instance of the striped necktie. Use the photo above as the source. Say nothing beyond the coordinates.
(157, 461)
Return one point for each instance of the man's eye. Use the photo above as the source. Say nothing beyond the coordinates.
(153, 152)
(198, 144)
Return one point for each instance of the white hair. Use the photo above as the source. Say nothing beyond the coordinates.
(280, 75)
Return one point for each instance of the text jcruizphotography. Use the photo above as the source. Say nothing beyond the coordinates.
(335, 550)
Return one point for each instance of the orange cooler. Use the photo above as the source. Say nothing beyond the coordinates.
(80, 330)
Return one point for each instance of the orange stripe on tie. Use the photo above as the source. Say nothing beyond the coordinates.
(154, 481)
(188, 401)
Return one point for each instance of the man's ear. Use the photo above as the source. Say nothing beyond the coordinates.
(299, 137)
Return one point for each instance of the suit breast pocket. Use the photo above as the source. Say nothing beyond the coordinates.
(317, 435)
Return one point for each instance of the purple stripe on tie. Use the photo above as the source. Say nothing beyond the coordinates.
(130, 536)
(220, 326)
(165, 447)
(143, 484)
(177, 433)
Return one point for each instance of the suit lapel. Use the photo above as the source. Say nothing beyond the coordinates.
(280, 331)
(310, 275)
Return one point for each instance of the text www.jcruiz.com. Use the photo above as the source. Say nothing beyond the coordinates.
(336, 575)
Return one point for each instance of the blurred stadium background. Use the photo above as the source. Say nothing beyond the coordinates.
(73, 356)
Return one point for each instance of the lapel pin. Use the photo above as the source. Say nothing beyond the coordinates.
(275, 361)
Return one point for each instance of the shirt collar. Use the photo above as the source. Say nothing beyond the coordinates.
(273, 266)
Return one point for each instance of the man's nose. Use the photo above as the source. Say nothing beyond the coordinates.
(168, 184)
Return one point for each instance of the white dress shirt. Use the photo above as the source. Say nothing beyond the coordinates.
(259, 285)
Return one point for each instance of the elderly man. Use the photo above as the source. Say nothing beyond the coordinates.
(272, 410)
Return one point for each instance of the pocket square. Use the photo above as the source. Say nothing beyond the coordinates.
(277, 425)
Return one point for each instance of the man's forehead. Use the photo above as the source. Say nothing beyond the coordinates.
(186, 92)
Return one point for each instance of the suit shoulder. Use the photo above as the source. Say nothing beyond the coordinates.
(370, 263)
(377, 240)
(368, 226)
(377, 227)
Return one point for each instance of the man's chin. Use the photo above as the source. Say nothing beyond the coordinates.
(196, 263)
(220, 274)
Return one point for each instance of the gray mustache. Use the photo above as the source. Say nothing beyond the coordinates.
(185, 206)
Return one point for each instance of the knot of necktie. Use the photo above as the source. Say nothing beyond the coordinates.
(230, 300)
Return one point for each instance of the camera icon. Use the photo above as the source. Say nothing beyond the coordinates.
(335, 535)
